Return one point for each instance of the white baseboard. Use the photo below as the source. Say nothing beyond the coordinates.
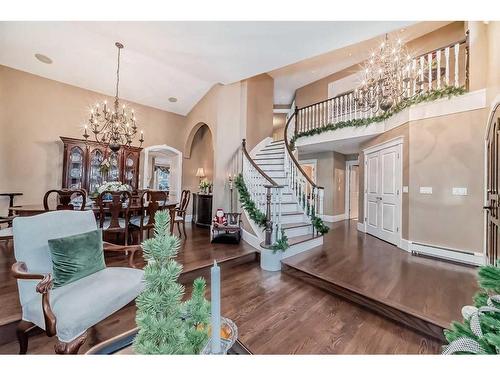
(361, 227)
(250, 239)
(461, 256)
(333, 218)
(189, 218)
(405, 245)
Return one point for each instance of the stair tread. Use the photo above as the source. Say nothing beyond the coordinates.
(299, 239)
(295, 225)
(292, 213)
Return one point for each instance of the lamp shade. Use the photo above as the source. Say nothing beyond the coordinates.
(200, 172)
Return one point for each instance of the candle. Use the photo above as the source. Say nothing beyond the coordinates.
(215, 307)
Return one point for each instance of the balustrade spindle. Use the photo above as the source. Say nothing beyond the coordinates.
(438, 62)
(447, 66)
(457, 47)
(429, 62)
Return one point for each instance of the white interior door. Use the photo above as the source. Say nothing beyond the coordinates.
(383, 192)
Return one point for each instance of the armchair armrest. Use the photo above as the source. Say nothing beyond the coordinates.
(20, 271)
(131, 249)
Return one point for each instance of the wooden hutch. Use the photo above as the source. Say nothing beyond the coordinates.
(82, 165)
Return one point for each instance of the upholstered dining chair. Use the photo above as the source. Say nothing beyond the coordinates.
(67, 311)
(114, 213)
(180, 211)
(65, 199)
(151, 201)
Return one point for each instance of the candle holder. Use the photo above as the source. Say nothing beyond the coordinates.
(229, 335)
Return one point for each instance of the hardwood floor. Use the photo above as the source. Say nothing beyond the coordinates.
(278, 314)
(430, 289)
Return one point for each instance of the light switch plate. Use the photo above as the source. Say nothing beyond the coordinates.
(425, 189)
(459, 191)
(405, 189)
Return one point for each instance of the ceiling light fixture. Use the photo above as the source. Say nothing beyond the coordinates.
(172, 99)
(43, 58)
(113, 127)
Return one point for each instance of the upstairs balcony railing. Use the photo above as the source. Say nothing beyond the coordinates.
(446, 66)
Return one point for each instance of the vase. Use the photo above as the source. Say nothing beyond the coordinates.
(269, 260)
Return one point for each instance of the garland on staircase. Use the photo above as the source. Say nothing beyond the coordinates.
(429, 96)
(479, 333)
(319, 225)
(248, 204)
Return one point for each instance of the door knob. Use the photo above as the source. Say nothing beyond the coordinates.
(488, 207)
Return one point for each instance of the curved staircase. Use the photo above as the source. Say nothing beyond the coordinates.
(267, 176)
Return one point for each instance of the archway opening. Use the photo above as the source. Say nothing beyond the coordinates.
(163, 169)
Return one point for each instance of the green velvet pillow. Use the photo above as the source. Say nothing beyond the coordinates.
(76, 256)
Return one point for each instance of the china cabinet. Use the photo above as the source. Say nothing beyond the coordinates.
(83, 166)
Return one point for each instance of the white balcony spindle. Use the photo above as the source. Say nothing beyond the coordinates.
(457, 47)
(447, 66)
(429, 62)
(438, 63)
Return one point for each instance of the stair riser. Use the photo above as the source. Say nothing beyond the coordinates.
(272, 167)
(276, 174)
(299, 231)
(288, 219)
(285, 198)
(303, 246)
(260, 160)
(274, 148)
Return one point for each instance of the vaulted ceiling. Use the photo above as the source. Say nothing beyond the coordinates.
(173, 59)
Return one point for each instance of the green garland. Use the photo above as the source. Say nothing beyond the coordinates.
(319, 225)
(429, 96)
(281, 244)
(248, 204)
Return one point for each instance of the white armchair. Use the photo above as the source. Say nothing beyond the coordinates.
(68, 311)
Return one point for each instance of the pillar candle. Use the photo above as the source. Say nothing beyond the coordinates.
(215, 307)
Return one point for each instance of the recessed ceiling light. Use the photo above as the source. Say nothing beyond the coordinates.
(403, 30)
(172, 99)
(43, 58)
(350, 54)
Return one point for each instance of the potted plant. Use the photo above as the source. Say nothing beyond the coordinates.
(205, 186)
(270, 258)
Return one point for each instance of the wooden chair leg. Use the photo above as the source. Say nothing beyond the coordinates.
(184, 228)
(22, 331)
(71, 347)
(179, 228)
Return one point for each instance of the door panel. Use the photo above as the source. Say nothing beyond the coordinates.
(492, 185)
(383, 193)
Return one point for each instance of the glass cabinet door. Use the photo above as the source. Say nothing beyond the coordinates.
(114, 167)
(75, 168)
(95, 173)
(130, 170)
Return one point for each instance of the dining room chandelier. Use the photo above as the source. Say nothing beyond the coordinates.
(113, 127)
(387, 77)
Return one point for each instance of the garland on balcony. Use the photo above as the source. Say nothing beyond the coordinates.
(248, 204)
(448, 91)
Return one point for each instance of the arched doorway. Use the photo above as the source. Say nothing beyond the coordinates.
(162, 169)
(198, 157)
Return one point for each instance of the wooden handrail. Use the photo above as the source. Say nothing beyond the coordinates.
(290, 153)
(262, 173)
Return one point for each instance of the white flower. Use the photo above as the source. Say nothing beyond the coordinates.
(113, 186)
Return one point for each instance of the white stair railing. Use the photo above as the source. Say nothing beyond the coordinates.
(265, 193)
(309, 195)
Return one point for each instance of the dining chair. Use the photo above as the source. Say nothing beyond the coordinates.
(151, 201)
(114, 213)
(68, 311)
(65, 199)
(180, 211)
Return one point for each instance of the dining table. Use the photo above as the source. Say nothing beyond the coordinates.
(36, 209)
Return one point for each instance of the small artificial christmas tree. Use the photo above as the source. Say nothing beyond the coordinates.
(479, 333)
(167, 325)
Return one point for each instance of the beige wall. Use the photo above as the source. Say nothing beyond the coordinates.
(442, 153)
(318, 90)
(202, 156)
(493, 53)
(447, 152)
(279, 122)
(330, 174)
(259, 108)
(35, 111)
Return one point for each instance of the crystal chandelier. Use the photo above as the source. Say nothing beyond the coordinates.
(387, 77)
(113, 127)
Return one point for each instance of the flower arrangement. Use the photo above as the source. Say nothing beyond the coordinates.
(113, 186)
(205, 186)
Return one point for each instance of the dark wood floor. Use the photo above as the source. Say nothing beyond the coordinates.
(427, 287)
(280, 314)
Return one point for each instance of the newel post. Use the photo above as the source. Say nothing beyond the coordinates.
(269, 222)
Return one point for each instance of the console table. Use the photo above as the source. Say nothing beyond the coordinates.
(202, 209)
